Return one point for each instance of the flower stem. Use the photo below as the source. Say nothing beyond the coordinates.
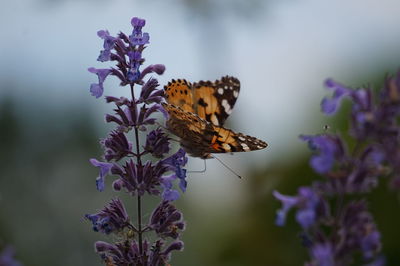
(139, 199)
(139, 208)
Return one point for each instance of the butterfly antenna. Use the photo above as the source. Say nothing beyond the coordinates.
(200, 171)
(227, 167)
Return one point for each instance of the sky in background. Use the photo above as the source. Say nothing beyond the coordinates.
(282, 51)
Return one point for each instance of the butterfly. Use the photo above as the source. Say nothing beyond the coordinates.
(197, 112)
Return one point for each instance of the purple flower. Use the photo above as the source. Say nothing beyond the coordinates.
(328, 148)
(110, 219)
(118, 101)
(7, 257)
(137, 37)
(134, 72)
(374, 153)
(109, 43)
(169, 193)
(160, 256)
(129, 253)
(309, 204)
(130, 116)
(135, 173)
(157, 68)
(358, 231)
(166, 220)
(366, 171)
(288, 202)
(157, 143)
(104, 171)
(140, 39)
(166, 253)
(127, 52)
(150, 94)
(138, 179)
(116, 146)
(138, 24)
(330, 106)
(322, 254)
(370, 244)
(97, 89)
(125, 117)
(123, 253)
(175, 163)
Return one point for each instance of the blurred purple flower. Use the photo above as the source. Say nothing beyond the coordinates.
(330, 106)
(288, 202)
(7, 257)
(374, 153)
(322, 254)
(309, 204)
(358, 231)
(328, 147)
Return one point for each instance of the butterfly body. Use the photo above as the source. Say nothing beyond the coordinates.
(197, 112)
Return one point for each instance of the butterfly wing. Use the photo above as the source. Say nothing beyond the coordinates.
(200, 138)
(212, 101)
(225, 140)
(215, 100)
(179, 92)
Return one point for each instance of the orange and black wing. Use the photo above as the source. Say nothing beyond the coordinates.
(179, 92)
(200, 138)
(212, 101)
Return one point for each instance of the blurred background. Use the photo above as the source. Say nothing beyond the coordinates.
(281, 51)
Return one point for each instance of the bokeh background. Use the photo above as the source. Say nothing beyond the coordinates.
(282, 51)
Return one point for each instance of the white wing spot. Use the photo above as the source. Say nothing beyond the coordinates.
(221, 91)
(226, 147)
(245, 147)
(214, 120)
(235, 94)
(226, 106)
(260, 147)
(241, 138)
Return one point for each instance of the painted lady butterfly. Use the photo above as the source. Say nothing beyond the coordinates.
(197, 112)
